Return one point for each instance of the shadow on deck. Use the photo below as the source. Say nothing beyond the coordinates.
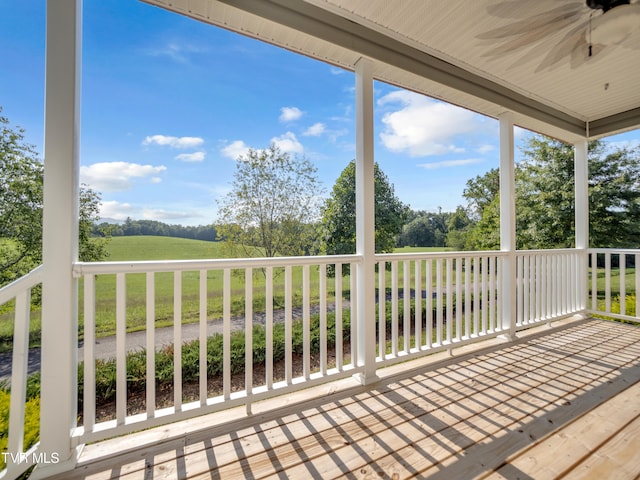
(556, 403)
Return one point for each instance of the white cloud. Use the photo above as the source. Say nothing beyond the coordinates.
(161, 214)
(288, 143)
(119, 211)
(423, 126)
(117, 176)
(235, 150)
(449, 163)
(315, 130)
(289, 114)
(191, 157)
(173, 142)
(115, 210)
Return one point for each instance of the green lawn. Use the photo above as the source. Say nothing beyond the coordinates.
(162, 248)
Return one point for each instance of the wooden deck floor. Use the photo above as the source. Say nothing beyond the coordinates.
(557, 403)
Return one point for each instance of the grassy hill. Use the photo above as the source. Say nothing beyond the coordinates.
(162, 248)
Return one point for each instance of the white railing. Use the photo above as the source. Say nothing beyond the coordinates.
(425, 302)
(18, 459)
(436, 301)
(614, 283)
(292, 298)
(456, 297)
(549, 285)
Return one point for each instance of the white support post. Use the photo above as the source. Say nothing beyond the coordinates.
(58, 402)
(365, 222)
(508, 226)
(581, 169)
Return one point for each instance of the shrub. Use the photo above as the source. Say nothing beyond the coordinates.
(31, 422)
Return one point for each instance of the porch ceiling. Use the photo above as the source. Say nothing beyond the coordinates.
(490, 56)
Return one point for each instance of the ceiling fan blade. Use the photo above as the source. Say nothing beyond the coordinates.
(550, 21)
(522, 9)
(573, 42)
(526, 39)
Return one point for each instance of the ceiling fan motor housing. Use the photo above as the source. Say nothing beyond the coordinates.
(606, 5)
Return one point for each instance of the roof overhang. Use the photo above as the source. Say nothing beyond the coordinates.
(340, 32)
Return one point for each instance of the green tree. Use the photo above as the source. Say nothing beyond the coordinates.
(545, 198)
(91, 248)
(21, 175)
(338, 224)
(485, 234)
(458, 228)
(274, 200)
(614, 197)
(481, 191)
(425, 229)
(417, 233)
(21, 194)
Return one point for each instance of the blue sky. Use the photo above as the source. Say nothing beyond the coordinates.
(168, 104)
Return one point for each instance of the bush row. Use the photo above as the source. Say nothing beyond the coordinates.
(164, 358)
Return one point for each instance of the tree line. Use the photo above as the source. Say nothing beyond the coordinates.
(132, 227)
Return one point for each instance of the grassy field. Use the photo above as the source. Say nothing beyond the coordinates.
(162, 248)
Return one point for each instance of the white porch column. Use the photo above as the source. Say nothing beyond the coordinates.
(581, 173)
(60, 232)
(365, 222)
(508, 225)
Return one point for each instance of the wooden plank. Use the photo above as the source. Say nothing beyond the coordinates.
(559, 453)
(307, 449)
(618, 457)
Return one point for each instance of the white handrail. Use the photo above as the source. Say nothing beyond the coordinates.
(20, 290)
(100, 268)
(30, 280)
(386, 257)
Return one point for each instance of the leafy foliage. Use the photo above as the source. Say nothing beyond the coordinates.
(21, 196)
(21, 175)
(425, 229)
(31, 422)
(545, 198)
(272, 204)
(338, 226)
(155, 228)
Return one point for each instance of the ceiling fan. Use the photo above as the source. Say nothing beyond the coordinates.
(588, 29)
